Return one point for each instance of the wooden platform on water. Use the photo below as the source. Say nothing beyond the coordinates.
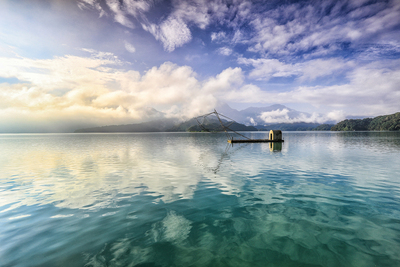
(252, 141)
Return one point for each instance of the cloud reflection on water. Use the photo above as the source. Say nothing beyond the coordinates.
(92, 171)
(186, 199)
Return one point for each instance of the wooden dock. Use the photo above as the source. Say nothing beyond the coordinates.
(252, 141)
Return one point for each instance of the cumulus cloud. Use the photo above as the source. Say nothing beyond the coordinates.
(72, 91)
(370, 89)
(227, 80)
(225, 51)
(218, 36)
(173, 33)
(283, 116)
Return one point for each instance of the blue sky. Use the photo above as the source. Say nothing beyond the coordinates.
(70, 63)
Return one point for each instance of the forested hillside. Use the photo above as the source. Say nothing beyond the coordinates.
(380, 123)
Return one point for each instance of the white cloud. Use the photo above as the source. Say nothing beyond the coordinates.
(174, 33)
(192, 57)
(265, 69)
(119, 14)
(313, 69)
(225, 51)
(173, 30)
(275, 116)
(285, 29)
(136, 7)
(120, 9)
(282, 116)
(195, 11)
(70, 91)
(227, 80)
(371, 90)
(301, 27)
(218, 36)
(99, 95)
(82, 4)
(129, 47)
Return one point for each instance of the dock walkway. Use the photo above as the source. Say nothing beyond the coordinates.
(252, 141)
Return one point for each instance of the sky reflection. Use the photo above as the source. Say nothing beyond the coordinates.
(90, 171)
(181, 198)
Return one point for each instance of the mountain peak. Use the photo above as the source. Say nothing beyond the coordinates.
(254, 115)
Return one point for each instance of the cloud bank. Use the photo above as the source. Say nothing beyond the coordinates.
(282, 116)
(182, 57)
(64, 93)
(71, 91)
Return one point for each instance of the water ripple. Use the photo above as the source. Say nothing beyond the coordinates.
(324, 199)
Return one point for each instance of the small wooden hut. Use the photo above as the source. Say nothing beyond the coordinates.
(275, 135)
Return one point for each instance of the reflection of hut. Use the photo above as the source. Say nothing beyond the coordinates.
(275, 146)
(275, 135)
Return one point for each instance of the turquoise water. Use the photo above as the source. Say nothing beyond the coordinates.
(188, 199)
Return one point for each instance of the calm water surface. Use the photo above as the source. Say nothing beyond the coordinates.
(182, 199)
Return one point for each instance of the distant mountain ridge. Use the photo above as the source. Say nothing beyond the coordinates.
(380, 123)
(299, 126)
(166, 125)
(212, 125)
(249, 119)
(252, 115)
(160, 125)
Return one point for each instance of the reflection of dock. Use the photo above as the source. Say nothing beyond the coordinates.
(252, 141)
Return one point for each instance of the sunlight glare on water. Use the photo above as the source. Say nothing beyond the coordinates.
(188, 199)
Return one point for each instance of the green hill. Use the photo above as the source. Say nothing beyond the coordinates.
(380, 123)
(323, 127)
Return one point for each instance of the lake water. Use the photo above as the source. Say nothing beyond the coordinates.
(189, 199)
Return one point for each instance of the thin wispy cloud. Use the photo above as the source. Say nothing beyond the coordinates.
(129, 47)
(265, 69)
